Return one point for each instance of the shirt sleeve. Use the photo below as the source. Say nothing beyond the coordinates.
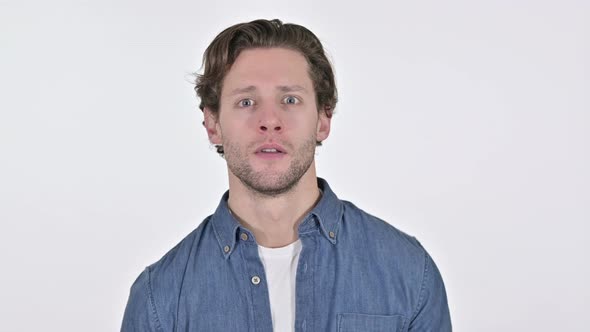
(432, 313)
(140, 313)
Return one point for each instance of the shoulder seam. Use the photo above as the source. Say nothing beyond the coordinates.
(190, 252)
(422, 286)
(152, 302)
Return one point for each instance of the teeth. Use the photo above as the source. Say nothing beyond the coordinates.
(269, 150)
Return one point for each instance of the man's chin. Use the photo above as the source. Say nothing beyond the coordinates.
(270, 185)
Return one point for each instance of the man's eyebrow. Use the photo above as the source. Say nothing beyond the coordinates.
(291, 88)
(247, 89)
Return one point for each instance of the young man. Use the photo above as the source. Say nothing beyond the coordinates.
(282, 252)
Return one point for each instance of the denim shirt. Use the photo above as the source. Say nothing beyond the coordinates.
(355, 273)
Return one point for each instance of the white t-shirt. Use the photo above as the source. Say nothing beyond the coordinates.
(280, 267)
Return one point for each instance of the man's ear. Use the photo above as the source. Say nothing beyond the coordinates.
(211, 123)
(323, 128)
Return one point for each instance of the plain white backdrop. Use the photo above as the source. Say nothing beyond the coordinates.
(463, 123)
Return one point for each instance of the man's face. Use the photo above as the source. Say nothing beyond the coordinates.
(268, 121)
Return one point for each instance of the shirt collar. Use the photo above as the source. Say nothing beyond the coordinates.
(327, 212)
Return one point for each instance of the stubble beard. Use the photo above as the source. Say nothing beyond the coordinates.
(263, 182)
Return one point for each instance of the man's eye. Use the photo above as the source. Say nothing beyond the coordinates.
(246, 102)
(291, 100)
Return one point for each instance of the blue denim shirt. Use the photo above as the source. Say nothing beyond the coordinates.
(355, 273)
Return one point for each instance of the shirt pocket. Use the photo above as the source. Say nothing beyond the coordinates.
(352, 322)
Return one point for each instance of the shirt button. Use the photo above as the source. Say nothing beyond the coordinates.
(332, 235)
(255, 280)
(244, 236)
(226, 249)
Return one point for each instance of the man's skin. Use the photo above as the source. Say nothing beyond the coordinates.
(268, 100)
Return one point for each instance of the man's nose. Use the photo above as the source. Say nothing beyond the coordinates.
(269, 118)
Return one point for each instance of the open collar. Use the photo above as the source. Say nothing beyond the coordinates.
(328, 213)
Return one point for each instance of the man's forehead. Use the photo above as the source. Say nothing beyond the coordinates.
(279, 69)
(265, 53)
(269, 63)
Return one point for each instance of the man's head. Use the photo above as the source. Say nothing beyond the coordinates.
(267, 94)
(227, 46)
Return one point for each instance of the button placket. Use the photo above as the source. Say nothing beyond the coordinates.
(305, 297)
(258, 292)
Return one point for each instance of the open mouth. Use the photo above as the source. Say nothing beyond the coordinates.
(270, 151)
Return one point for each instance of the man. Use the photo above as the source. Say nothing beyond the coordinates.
(282, 252)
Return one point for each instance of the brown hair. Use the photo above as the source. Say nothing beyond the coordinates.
(225, 48)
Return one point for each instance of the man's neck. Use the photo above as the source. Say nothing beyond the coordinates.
(274, 220)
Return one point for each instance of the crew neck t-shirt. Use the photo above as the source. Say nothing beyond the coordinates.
(280, 267)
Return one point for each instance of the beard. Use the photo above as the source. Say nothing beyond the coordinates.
(267, 182)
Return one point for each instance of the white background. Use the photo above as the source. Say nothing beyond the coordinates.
(464, 123)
